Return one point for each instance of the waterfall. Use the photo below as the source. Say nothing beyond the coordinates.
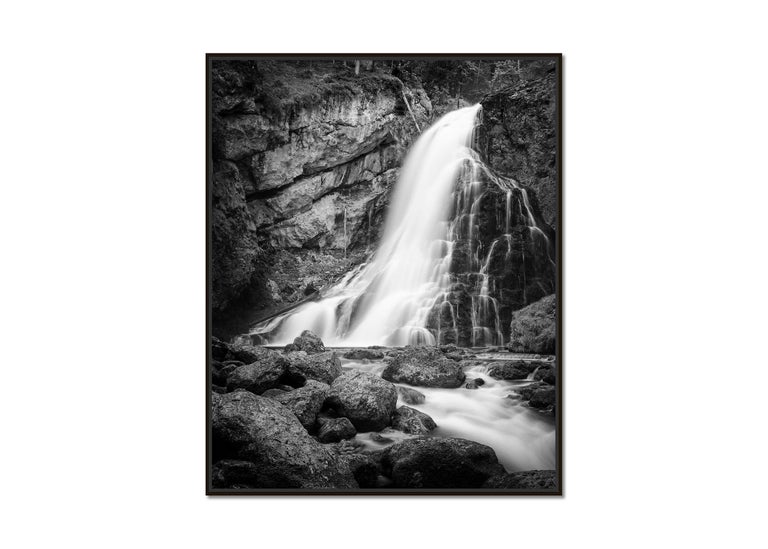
(403, 294)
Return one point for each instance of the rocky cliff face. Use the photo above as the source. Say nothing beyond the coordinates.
(519, 138)
(303, 165)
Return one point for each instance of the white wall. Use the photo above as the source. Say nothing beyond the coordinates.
(102, 228)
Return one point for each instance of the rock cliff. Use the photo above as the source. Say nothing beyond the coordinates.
(303, 162)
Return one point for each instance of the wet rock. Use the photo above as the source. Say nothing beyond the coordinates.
(543, 397)
(219, 349)
(524, 480)
(305, 402)
(412, 421)
(410, 396)
(251, 428)
(234, 473)
(533, 328)
(259, 376)
(381, 439)
(336, 430)
(424, 366)
(367, 400)
(248, 354)
(512, 370)
(427, 462)
(526, 391)
(475, 383)
(307, 342)
(546, 374)
(364, 354)
(324, 367)
(364, 467)
(271, 393)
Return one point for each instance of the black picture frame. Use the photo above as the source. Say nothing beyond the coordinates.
(559, 423)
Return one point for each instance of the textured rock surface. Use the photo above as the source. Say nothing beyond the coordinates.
(303, 160)
(524, 480)
(519, 137)
(412, 421)
(533, 329)
(364, 354)
(305, 402)
(259, 376)
(410, 396)
(323, 367)
(307, 342)
(233, 473)
(512, 370)
(425, 367)
(367, 400)
(439, 463)
(336, 430)
(259, 430)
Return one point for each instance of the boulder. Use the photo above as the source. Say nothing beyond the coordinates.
(364, 354)
(524, 480)
(547, 374)
(324, 367)
(533, 329)
(336, 430)
(305, 402)
(258, 376)
(251, 353)
(543, 397)
(427, 462)
(364, 467)
(410, 396)
(367, 400)
(425, 367)
(234, 473)
(307, 342)
(512, 370)
(412, 421)
(251, 428)
(475, 383)
(271, 393)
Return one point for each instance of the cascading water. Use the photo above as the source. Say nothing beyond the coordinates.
(406, 293)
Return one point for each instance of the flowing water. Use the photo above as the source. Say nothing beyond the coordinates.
(388, 300)
(523, 439)
(435, 204)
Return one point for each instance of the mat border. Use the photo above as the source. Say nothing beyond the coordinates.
(209, 490)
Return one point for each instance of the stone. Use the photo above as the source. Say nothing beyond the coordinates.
(364, 354)
(533, 329)
(336, 430)
(364, 467)
(233, 473)
(307, 342)
(367, 400)
(547, 374)
(259, 376)
(511, 370)
(543, 397)
(431, 462)
(475, 383)
(305, 402)
(524, 480)
(425, 367)
(410, 396)
(412, 421)
(247, 427)
(324, 367)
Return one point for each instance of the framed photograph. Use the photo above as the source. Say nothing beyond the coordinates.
(384, 284)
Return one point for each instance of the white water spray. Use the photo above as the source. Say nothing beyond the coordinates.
(388, 300)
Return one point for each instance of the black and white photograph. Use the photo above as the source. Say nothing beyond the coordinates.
(384, 274)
